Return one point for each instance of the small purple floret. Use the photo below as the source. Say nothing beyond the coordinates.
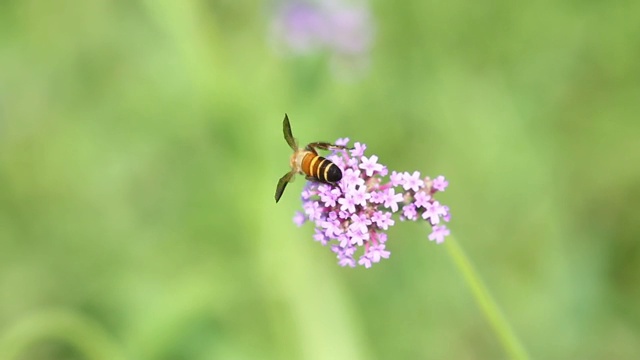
(413, 182)
(370, 165)
(299, 218)
(438, 234)
(440, 183)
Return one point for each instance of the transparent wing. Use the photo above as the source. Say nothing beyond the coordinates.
(326, 146)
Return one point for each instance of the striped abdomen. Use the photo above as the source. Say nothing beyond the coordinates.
(320, 168)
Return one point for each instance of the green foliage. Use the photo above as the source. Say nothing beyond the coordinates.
(141, 142)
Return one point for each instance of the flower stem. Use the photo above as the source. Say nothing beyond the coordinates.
(65, 326)
(485, 301)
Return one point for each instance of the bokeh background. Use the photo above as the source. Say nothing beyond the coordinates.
(141, 141)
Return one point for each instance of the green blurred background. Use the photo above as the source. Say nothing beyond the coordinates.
(141, 141)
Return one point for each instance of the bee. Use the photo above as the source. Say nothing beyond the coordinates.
(307, 162)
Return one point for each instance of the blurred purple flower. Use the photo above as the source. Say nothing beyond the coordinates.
(355, 213)
(344, 29)
(302, 26)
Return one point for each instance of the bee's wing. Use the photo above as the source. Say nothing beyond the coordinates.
(282, 183)
(286, 128)
(326, 146)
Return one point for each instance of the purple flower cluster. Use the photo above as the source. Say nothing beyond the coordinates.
(359, 209)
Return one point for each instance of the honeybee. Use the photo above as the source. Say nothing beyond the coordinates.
(307, 162)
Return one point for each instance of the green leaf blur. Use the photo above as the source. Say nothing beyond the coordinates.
(141, 143)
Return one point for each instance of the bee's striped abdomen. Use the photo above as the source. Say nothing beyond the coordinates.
(320, 168)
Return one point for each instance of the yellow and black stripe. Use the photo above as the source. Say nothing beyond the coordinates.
(320, 168)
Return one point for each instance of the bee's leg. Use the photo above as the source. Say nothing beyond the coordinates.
(325, 146)
(315, 179)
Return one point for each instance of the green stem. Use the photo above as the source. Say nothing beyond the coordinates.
(492, 312)
(87, 337)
